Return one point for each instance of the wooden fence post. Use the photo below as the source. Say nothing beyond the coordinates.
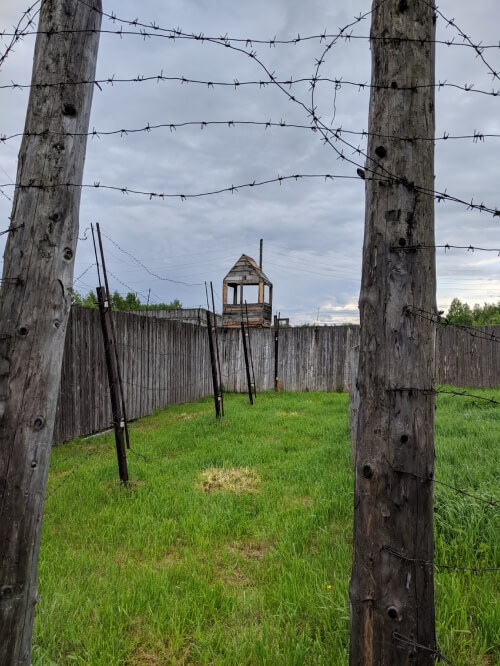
(391, 592)
(36, 296)
(353, 356)
(213, 362)
(114, 380)
(247, 364)
(276, 349)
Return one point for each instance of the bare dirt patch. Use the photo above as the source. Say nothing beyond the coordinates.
(234, 479)
(250, 550)
(187, 417)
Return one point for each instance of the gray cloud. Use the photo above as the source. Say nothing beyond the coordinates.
(312, 230)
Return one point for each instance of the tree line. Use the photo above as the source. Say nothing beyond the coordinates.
(463, 314)
(129, 302)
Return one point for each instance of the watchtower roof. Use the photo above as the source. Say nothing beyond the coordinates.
(246, 271)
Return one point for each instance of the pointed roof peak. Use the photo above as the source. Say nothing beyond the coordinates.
(246, 270)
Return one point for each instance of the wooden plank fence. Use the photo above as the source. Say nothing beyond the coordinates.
(167, 362)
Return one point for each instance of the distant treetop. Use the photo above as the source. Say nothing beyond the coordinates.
(462, 314)
(125, 303)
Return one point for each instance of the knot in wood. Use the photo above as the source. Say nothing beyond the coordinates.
(393, 613)
(367, 471)
(38, 424)
(69, 109)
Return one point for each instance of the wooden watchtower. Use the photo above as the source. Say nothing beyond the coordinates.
(252, 295)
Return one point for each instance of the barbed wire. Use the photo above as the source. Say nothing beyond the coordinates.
(446, 247)
(460, 491)
(418, 646)
(236, 83)
(438, 319)
(19, 32)
(476, 136)
(436, 565)
(176, 34)
(438, 196)
(441, 391)
(11, 229)
(478, 48)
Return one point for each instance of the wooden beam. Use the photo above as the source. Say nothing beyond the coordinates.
(35, 298)
(391, 592)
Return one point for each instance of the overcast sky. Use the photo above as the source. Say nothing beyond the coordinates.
(312, 229)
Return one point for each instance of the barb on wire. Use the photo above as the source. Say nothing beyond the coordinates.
(435, 565)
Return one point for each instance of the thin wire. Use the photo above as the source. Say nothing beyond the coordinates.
(142, 265)
(476, 137)
(435, 565)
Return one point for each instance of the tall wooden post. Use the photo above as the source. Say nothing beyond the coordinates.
(213, 362)
(247, 364)
(35, 299)
(276, 349)
(391, 592)
(119, 419)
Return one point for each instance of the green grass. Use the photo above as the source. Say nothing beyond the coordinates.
(253, 567)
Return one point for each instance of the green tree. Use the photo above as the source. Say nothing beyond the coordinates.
(88, 301)
(486, 315)
(462, 314)
(118, 302)
(459, 313)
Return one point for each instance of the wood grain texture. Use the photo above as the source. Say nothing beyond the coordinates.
(34, 308)
(392, 510)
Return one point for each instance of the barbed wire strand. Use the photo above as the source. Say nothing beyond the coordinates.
(19, 32)
(435, 565)
(476, 136)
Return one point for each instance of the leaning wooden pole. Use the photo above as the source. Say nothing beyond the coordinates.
(391, 592)
(35, 298)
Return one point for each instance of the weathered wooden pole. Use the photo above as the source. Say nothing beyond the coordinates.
(114, 380)
(213, 362)
(391, 592)
(35, 299)
(276, 349)
(247, 364)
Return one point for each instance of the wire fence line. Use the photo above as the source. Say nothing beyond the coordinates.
(438, 196)
(476, 136)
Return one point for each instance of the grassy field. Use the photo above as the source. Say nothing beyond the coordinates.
(232, 544)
